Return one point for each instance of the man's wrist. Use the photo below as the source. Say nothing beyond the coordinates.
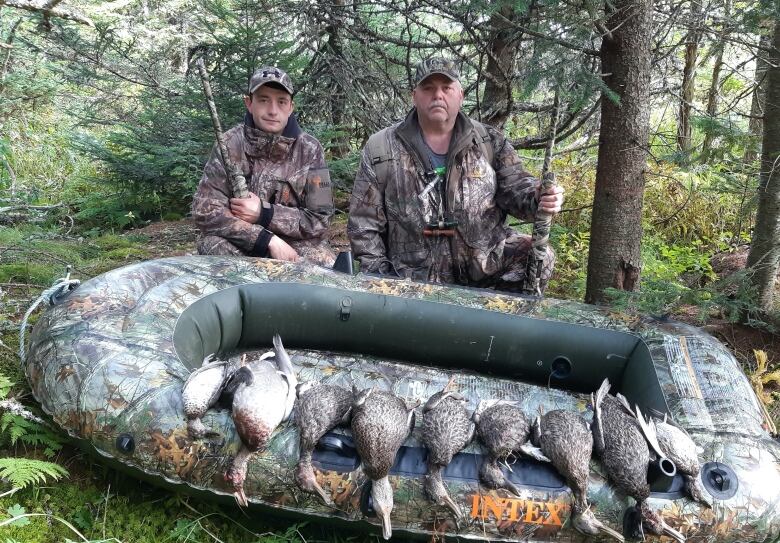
(261, 245)
(266, 214)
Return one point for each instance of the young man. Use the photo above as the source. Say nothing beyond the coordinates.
(432, 194)
(290, 203)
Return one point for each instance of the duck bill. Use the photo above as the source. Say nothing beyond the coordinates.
(322, 494)
(452, 506)
(609, 532)
(671, 532)
(387, 527)
(511, 487)
(241, 497)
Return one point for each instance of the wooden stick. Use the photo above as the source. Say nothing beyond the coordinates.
(237, 180)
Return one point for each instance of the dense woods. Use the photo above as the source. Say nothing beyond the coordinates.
(667, 141)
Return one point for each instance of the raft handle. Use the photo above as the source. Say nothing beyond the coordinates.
(346, 308)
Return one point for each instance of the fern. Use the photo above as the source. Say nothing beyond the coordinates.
(5, 386)
(21, 472)
(17, 428)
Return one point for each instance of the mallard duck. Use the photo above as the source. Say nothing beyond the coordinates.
(566, 439)
(624, 452)
(201, 391)
(320, 408)
(504, 430)
(263, 399)
(381, 422)
(446, 429)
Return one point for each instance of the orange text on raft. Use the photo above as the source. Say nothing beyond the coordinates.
(515, 509)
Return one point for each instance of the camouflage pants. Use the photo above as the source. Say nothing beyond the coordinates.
(511, 276)
(313, 251)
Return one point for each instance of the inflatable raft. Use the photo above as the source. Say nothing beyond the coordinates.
(108, 361)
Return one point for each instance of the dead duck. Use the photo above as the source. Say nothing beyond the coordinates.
(320, 408)
(263, 399)
(566, 439)
(446, 429)
(201, 391)
(504, 430)
(381, 421)
(680, 448)
(621, 445)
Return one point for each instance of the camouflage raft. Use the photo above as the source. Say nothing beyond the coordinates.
(108, 361)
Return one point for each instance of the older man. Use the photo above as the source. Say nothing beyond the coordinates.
(290, 202)
(432, 194)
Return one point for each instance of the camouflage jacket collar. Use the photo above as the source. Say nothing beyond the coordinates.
(261, 144)
(410, 134)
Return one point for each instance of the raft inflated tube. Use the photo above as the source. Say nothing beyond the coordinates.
(108, 362)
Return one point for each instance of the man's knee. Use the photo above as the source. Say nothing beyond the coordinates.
(215, 245)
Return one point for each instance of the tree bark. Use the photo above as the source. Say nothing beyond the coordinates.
(497, 97)
(755, 125)
(764, 252)
(614, 258)
(712, 101)
(689, 78)
(338, 97)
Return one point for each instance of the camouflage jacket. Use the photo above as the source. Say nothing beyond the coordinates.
(287, 172)
(387, 216)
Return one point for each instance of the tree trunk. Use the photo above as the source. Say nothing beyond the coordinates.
(712, 101)
(497, 97)
(689, 78)
(755, 126)
(765, 248)
(335, 62)
(614, 258)
(714, 93)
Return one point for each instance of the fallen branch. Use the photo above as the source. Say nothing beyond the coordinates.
(47, 9)
(26, 206)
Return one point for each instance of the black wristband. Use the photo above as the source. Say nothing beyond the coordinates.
(266, 214)
(261, 245)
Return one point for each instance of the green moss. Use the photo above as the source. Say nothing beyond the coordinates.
(126, 253)
(27, 272)
(112, 241)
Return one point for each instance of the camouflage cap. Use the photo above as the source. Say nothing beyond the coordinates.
(270, 74)
(436, 65)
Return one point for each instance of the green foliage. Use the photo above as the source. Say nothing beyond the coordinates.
(16, 428)
(21, 472)
(15, 511)
(26, 272)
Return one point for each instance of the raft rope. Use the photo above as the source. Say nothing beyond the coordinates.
(60, 287)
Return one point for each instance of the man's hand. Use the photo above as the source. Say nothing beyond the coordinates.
(281, 250)
(551, 200)
(247, 209)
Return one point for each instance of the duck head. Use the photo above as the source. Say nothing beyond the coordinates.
(235, 476)
(382, 496)
(655, 524)
(587, 523)
(304, 476)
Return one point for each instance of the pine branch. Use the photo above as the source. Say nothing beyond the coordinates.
(47, 9)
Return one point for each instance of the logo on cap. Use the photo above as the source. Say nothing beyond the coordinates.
(270, 74)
